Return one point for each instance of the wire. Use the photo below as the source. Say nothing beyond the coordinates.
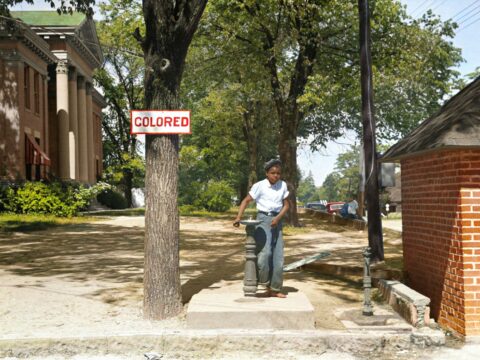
(464, 21)
(436, 7)
(468, 25)
(465, 8)
(418, 7)
(428, 2)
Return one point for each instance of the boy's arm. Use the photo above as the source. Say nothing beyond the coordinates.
(243, 205)
(286, 206)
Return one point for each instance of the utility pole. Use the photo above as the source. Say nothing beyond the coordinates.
(375, 238)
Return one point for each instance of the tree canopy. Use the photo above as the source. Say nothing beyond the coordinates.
(303, 55)
(62, 6)
(121, 80)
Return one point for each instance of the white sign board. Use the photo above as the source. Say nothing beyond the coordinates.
(160, 122)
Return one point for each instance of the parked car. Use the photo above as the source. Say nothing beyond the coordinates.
(334, 207)
(316, 206)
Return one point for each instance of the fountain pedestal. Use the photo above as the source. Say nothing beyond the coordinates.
(250, 276)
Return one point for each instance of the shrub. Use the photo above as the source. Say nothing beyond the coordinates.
(186, 209)
(216, 197)
(112, 199)
(59, 199)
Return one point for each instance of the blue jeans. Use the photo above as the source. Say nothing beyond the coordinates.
(269, 250)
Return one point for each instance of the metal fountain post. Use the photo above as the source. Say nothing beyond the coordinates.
(367, 283)
(250, 279)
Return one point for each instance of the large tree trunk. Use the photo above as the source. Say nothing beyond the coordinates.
(128, 176)
(251, 137)
(169, 30)
(162, 293)
(287, 149)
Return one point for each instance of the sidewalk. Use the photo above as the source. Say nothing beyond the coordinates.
(79, 289)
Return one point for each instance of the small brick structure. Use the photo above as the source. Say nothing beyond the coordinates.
(440, 172)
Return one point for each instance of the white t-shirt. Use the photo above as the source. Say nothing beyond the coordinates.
(269, 197)
(352, 207)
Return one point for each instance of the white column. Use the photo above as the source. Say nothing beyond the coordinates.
(91, 160)
(62, 120)
(82, 130)
(73, 129)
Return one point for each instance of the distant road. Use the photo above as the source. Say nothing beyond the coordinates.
(394, 224)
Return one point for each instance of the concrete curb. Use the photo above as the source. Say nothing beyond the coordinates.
(204, 343)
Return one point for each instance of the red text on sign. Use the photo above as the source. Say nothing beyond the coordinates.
(150, 121)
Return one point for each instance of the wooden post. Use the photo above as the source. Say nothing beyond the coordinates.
(375, 239)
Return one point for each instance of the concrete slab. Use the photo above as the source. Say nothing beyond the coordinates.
(225, 307)
(383, 319)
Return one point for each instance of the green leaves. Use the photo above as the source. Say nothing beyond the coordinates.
(121, 79)
(59, 199)
(62, 6)
(344, 181)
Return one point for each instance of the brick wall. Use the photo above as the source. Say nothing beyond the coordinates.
(441, 234)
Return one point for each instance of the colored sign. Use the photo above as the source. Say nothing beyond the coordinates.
(160, 122)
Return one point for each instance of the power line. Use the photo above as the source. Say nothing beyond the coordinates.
(418, 7)
(464, 9)
(436, 7)
(467, 26)
(471, 16)
(427, 2)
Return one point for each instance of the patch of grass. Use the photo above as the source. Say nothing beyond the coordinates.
(394, 216)
(394, 263)
(184, 211)
(31, 222)
(291, 230)
(377, 296)
(227, 215)
(121, 212)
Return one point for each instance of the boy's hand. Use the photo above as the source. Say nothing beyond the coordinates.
(275, 221)
(236, 222)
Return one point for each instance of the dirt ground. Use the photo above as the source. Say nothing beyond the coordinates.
(87, 279)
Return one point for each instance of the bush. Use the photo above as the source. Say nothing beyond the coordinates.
(112, 199)
(187, 209)
(59, 199)
(216, 197)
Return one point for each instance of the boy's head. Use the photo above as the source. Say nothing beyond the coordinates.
(273, 170)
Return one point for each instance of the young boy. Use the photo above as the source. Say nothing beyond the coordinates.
(270, 196)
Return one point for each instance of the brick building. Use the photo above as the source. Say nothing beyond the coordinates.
(440, 163)
(50, 114)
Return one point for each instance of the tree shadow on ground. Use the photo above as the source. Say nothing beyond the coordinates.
(113, 256)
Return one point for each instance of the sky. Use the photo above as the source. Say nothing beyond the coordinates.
(465, 12)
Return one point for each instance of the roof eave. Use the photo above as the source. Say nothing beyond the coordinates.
(402, 156)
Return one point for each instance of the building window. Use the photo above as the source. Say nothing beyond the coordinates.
(36, 92)
(26, 86)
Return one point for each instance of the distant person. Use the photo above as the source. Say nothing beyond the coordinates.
(349, 209)
(270, 196)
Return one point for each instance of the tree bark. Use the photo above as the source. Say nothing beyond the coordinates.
(286, 106)
(169, 30)
(287, 149)
(375, 237)
(251, 137)
(128, 177)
